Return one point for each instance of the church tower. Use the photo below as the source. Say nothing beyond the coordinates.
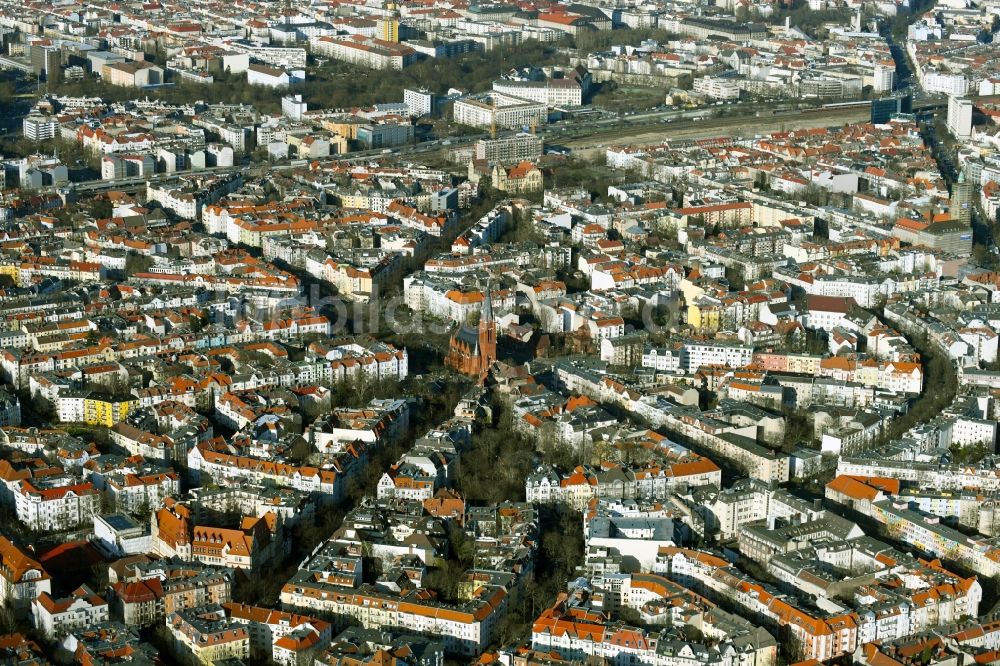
(473, 351)
(487, 335)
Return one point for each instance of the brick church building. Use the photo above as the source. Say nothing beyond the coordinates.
(473, 351)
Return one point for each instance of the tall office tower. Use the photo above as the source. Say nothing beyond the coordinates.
(961, 201)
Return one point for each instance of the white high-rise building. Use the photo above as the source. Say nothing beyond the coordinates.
(420, 101)
(40, 128)
(292, 107)
(960, 117)
(884, 78)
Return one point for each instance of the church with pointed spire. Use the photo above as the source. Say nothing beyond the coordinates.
(473, 351)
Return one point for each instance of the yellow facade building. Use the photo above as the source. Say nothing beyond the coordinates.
(106, 411)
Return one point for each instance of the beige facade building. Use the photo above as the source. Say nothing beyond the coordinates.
(132, 74)
(501, 111)
(365, 51)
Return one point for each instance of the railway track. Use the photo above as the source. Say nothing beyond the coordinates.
(656, 132)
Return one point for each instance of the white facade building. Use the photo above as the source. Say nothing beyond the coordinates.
(56, 508)
(960, 117)
(57, 617)
(883, 78)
